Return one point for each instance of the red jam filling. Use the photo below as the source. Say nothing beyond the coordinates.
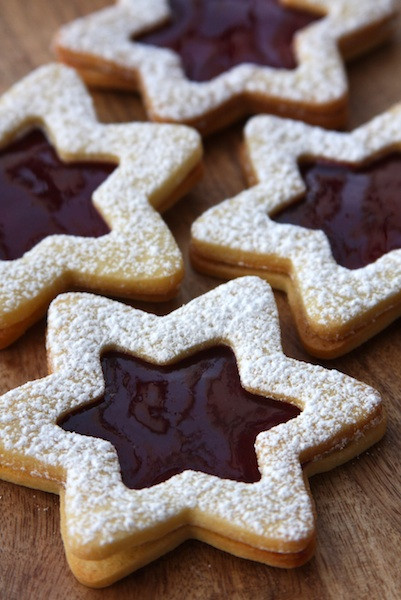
(359, 209)
(41, 195)
(191, 415)
(211, 36)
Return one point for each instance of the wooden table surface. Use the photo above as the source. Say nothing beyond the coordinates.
(358, 504)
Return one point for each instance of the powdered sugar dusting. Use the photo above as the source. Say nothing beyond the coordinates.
(139, 256)
(99, 510)
(332, 296)
(102, 41)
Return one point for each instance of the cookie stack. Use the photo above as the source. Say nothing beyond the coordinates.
(195, 424)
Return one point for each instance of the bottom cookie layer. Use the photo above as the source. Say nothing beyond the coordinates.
(321, 346)
(105, 571)
(101, 573)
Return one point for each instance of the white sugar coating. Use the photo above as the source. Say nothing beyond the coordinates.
(332, 295)
(153, 160)
(99, 509)
(106, 37)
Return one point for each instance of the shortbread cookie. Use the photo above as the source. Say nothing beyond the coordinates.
(206, 63)
(322, 222)
(145, 430)
(54, 155)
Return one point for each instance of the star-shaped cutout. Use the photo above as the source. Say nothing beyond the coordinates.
(154, 166)
(358, 208)
(109, 529)
(42, 195)
(336, 308)
(191, 415)
(104, 48)
(212, 36)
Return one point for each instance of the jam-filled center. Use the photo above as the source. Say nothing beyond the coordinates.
(40, 195)
(359, 209)
(191, 415)
(211, 36)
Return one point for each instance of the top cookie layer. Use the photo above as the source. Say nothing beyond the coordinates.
(103, 47)
(101, 515)
(154, 165)
(336, 308)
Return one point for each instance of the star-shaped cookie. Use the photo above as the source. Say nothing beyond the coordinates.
(110, 530)
(335, 307)
(153, 166)
(107, 49)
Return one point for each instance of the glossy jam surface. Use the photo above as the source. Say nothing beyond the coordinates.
(358, 209)
(191, 415)
(211, 36)
(40, 195)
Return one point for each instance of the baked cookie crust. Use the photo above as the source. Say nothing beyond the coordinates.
(155, 165)
(335, 308)
(110, 530)
(101, 47)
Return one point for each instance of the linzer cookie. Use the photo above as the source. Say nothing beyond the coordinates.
(55, 157)
(157, 429)
(322, 222)
(206, 63)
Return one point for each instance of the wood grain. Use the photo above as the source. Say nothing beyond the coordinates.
(358, 504)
